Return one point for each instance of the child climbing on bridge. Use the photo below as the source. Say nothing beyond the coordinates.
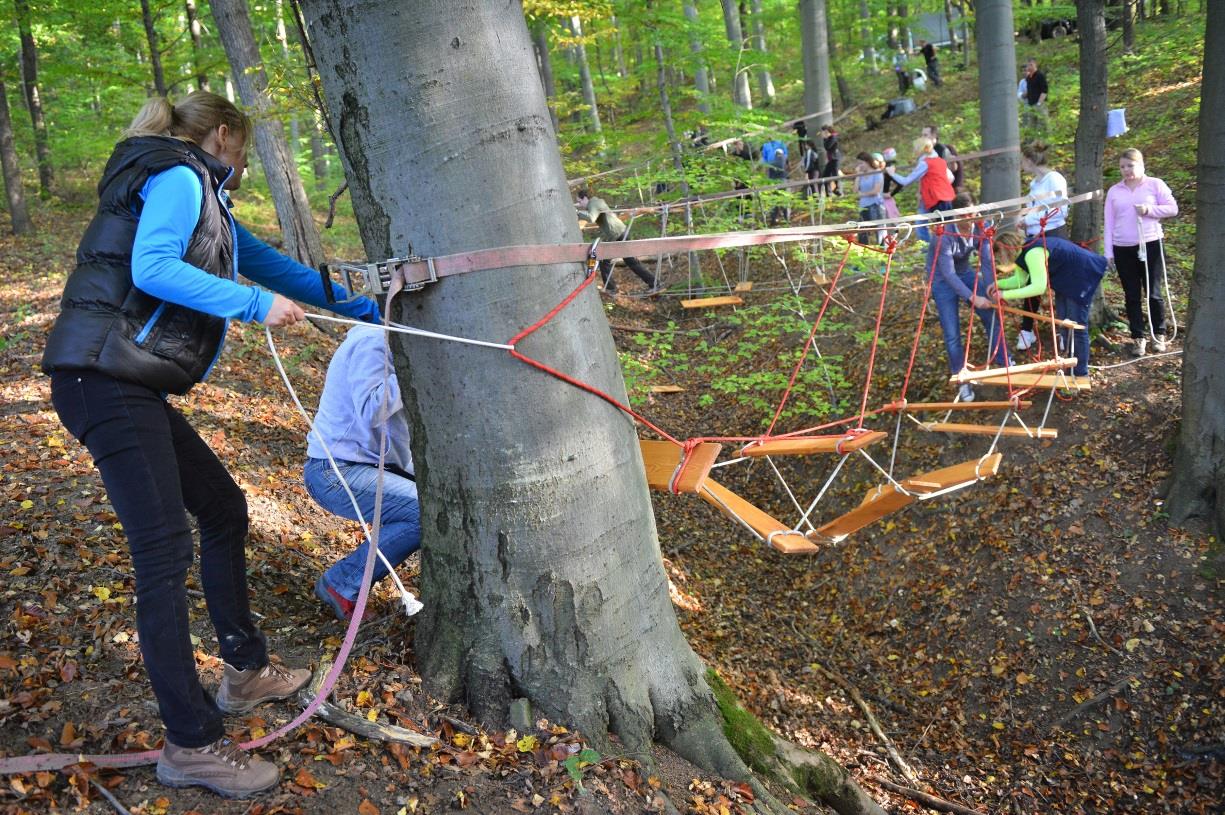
(612, 228)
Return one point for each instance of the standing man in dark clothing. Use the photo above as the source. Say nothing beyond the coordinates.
(1034, 115)
(933, 63)
(612, 228)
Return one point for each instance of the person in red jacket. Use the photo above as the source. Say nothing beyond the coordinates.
(935, 181)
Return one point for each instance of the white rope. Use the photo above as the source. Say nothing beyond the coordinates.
(398, 328)
(1144, 358)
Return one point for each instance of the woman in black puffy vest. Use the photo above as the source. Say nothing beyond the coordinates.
(144, 314)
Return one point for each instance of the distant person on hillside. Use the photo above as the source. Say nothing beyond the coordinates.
(833, 159)
(810, 163)
(935, 181)
(946, 152)
(933, 63)
(890, 186)
(1134, 209)
(774, 156)
(1034, 115)
(901, 71)
(1073, 273)
(869, 185)
(1045, 182)
(612, 228)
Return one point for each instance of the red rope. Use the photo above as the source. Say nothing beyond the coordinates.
(927, 294)
(880, 315)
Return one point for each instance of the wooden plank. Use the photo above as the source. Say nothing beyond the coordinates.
(1046, 318)
(939, 407)
(991, 430)
(813, 444)
(666, 389)
(764, 524)
(879, 502)
(743, 286)
(661, 458)
(712, 302)
(966, 375)
(1066, 381)
(963, 473)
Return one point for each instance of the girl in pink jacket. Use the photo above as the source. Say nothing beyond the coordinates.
(1134, 209)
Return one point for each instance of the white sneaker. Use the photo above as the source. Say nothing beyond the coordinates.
(1159, 345)
(1025, 340)
(966, 392)
(1139, 347)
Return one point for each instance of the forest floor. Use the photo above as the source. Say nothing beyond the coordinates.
(1042, 643)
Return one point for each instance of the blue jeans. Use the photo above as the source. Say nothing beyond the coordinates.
(922, 232)
(1068, 309)
(948, 305)
(400, 533)
(156, 470)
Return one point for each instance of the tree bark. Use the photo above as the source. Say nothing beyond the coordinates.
(19, 216)
(618, 51)
(584, 71)
(1087, 218)
(865, 33)
(1197, 488)
(678, 160)
(298, 230)
(295, 132)
(844, 89)
(997, 94)
(741, 95)
(197, 44)
(765, 83)
(814, 42)
(1129, 26)
(33, 97)
(532, 588)
(544, 63)
(701, 79)
(155, 49)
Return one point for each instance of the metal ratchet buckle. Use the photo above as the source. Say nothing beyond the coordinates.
(592, 260)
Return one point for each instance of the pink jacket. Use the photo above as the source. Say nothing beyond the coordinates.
(1122, 228)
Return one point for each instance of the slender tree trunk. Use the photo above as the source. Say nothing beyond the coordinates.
(948, 22)
(700, 77)
(155, 48)
(229, 87)
(678, 160)
(618, 51)
(997, 95)
(765, 84)
(865, 33)
(532, 590)
(319, 156)
(844, 90)
(19, 216)
(1129, 26)
(1087, 220)
(741, 95)
(818, 100)
(33, 97)
(544, 63)
(197, 44)
(584, 71)
(295, 133)
(965, 31)
(903, 27)
(1197, 488)
(298, 230)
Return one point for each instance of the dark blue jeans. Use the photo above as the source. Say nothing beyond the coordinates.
(948, 309)
(1068, 309)
(157, 469)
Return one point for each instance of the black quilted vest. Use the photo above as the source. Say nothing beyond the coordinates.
(103, 315)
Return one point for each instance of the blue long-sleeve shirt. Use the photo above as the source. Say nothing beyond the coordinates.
(349, 420)
(172, 209)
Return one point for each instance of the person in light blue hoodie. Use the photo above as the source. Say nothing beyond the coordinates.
(360, 404)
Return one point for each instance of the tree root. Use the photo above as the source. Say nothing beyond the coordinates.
(357, 725)
(928, 800)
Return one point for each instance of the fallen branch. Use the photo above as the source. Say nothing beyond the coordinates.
(358, 725)
(332, 204)
(928, 800)
(120, 808)
(1093, 628)
(1096, 700)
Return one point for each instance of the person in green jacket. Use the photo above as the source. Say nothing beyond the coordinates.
(612, 228)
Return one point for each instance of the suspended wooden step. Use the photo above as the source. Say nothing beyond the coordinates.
(966, 375)
(767, 526)
(958, 475)
(666, 389)
(1046, 318)
(662, 461)
(879, 502)
(713, 302)
(991, 430)
(1065, 381)
(940, 407)
(841, 444)
(743, 286)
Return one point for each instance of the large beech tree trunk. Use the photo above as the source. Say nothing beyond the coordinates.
(1198, 485)
(19, 216)
(541, 570)
(298, 228)
(33, 96)
(818, 100)
(997, 98)
(1087, 219)
(741, 95)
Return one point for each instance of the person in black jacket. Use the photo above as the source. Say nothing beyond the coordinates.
(932, 61)
(833, 158)
(143, 315)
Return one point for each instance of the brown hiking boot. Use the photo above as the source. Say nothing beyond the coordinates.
(223, 767)
(242, 690)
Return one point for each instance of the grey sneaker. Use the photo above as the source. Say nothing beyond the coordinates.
(223, 767)
(242, 690)
(1159, 345)
(1139, 347)
(966, 392)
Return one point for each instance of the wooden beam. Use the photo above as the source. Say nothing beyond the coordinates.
(879, 502)
(743, 286)
(927, 407)
(1066, 381)
(991, 430)
(661, 459)
(966, 375)
(850, 442)
(963, 473)
(1046, 318)
(666, 389)
(712, 302)
(780, 537)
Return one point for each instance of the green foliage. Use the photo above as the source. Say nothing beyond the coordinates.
(750, 739)
(574, 765)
